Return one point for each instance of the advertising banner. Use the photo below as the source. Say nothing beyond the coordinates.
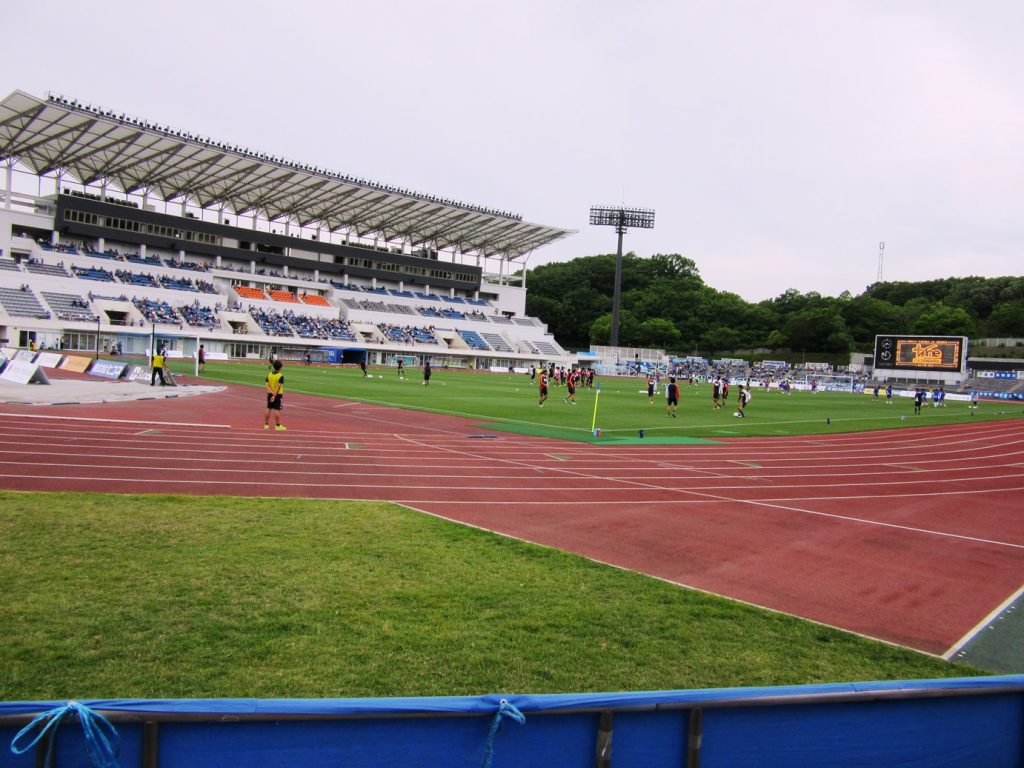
(76, 363)
(108, 369)
(48, 359)
(20, 372)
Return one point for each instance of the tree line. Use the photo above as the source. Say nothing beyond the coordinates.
(666, 304)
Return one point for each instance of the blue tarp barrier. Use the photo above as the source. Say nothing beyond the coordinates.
(963, 721)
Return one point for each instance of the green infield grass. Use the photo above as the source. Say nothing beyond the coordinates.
(121, 596)
(510, 403)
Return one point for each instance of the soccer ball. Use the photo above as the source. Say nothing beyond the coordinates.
(736, 413)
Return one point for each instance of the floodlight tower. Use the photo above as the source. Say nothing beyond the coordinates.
(620, 218)
(881, 252)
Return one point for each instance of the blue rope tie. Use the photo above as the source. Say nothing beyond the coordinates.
(504, 710)
(101, 740)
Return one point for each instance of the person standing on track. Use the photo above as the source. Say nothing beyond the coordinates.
(275, 396)
(159, 363)
(671, 397)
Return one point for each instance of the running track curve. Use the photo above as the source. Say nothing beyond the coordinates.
(912, 536)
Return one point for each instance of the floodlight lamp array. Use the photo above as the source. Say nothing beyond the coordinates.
(617, 216)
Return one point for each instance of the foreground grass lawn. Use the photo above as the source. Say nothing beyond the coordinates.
(168, 596)
(509, 402)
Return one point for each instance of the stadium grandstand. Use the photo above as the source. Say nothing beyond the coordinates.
(113, 226)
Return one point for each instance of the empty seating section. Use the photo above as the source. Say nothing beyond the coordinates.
(112, 255)
(140, 279)
(287, 296)
(246, 292)
(68, 306)
(497, 343)
(427, 296)
(345, 286)
(381, 291)
(10, 265)
(93, 273)
(314, 299)
(501, 319)
(403, 294)
(150, 260)
(478, 302)
(21, 302)
(350, 303)
(547, 349)
(37, 267)
(474, 340)
(198, 316)
(272, 323)
(523, 321)
(454, 299)
(157, 311)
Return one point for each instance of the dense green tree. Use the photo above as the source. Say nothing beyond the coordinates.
(943, 320)
(665, 303)
(1006, 320)
(818, 328)
(659, 333)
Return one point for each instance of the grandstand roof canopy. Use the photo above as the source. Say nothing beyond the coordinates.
(92, 145)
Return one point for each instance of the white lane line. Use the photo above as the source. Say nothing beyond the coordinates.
(955, 648)
(113, 421)
(773, 504)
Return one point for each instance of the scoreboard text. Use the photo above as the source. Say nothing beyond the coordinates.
(920, 353)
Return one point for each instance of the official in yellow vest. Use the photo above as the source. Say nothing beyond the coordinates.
(159, 363)
(275, 396)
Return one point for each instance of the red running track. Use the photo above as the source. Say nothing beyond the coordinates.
(911, 536)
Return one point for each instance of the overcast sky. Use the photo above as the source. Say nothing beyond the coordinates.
(779, 142)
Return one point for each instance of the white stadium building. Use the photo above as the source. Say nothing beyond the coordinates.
(113, 229)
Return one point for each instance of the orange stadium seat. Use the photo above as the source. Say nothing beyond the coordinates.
(283, 296)
(249, 293)
(315, 299)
